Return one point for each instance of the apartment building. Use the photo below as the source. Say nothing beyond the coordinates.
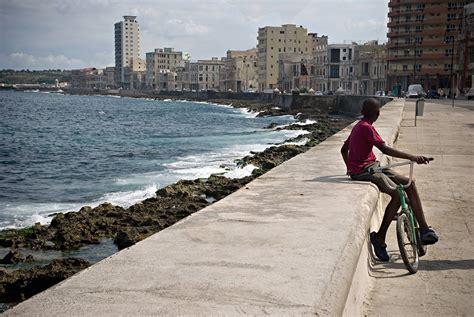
(423, 42)
(239, 72)
(294, 71)
(369, 68)
(340, 67)
(465, 72)
(88, 78)
(201, 75)
(160, 62)
(127, 49)
(276, 40)
(319, 50)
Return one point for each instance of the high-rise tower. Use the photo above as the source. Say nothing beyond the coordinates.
(127, 46)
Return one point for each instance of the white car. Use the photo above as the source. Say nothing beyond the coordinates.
(415, 91)
(318, 93)
(380, 93)
(470, 94)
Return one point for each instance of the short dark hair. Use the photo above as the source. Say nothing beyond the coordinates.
(369, 107)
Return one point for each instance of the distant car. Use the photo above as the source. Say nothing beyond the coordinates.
(415, 91)
(318, 93)
(432, 94)
(470, 94)
(380, 93)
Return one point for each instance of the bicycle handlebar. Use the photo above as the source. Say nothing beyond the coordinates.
(391, 184)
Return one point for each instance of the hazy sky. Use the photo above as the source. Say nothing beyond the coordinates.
(39, 34)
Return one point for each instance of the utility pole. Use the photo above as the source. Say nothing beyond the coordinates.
(452, 78)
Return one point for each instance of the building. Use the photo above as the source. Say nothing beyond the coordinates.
(466, 46)
(294, 71)
(340, 67)
(127, 50)
(201, 75)
(239, 72)
(422, 44)
(159, 64)
(369, 68)
(110, 77)
(88, 78)
(276, 40)
(319, 50)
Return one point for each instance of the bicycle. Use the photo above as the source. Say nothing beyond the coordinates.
(408, 233)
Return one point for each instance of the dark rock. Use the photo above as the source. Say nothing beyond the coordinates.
(13, 257)
(21, 284)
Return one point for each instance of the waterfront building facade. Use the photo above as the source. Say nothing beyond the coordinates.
(369, 68)
(159, 64)
(340, 67)
(423, 42)
(88, 78)
(294, 71)
(202, 75)
(110, 77)
(319, 50)
(127, 49)
(239, 72)
(465, 71)
(273, 41)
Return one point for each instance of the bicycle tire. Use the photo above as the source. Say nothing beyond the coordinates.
(406, 243)
(422, 249)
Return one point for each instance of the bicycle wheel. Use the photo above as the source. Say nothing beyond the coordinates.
(406, 243)
(419, 245)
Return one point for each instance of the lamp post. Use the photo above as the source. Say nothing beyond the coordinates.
(452, 78)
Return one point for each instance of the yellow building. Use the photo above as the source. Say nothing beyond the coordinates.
(276, 40)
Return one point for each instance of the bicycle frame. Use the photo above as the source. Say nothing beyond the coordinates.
(400, 189)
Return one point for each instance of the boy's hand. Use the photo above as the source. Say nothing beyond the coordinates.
(420, 159)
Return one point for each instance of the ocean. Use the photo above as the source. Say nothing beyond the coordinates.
(61, 152)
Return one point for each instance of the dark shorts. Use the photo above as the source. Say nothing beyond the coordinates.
(376, 178)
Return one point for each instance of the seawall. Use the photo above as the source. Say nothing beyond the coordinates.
(343, 104)
(292, 242)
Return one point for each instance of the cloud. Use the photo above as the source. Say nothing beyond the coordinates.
(20, 60)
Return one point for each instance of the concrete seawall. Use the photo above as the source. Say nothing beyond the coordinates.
(344, 104)
(292, 242)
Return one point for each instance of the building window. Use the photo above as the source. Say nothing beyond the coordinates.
(405, 67)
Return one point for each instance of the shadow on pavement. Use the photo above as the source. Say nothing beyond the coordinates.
(441, 265)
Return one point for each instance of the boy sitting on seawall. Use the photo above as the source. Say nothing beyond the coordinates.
(358, 156)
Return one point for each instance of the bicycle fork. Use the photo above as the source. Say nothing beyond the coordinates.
(404, 200)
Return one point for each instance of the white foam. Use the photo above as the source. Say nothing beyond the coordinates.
(127, 198)
(241, 172)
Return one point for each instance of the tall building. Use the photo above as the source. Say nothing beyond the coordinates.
(276, 40)
(466, 45)
(160, 62)
(423, 42)
(239, 72)
(127, 48)
(319, 50)
(340, 67)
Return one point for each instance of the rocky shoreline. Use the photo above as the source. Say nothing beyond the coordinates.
(126, 226)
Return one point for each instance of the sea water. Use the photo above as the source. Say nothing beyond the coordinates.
(61, 152)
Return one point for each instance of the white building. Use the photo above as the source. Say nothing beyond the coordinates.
(127, 48)
(340, 67)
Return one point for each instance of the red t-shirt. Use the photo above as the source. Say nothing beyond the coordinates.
(360, 142)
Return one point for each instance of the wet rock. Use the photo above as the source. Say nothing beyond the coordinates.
(124, 239)
(21, 284)
(13, 257)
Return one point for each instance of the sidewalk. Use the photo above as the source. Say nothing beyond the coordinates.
(444, 283)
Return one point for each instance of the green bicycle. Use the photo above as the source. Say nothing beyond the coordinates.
(408, 233)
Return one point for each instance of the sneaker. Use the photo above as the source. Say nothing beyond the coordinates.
(428, 236)
(380, 249)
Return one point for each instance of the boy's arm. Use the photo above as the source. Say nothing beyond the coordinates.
(396, 153)
(345, 155)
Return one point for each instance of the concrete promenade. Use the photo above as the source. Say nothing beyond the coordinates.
(444, 283)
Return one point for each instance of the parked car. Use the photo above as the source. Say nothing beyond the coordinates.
(380, 93)
(432, 94)
(318, 93)
(415, 91)
(470, 94)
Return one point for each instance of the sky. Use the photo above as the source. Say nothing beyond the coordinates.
(71, 34)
